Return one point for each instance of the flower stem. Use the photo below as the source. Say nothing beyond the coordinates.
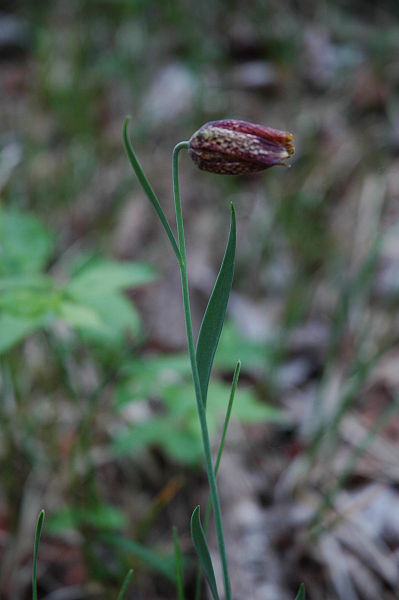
(194, 368)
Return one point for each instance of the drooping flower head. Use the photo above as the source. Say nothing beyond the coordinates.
(234, 147)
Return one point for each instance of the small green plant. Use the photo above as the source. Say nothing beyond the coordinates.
(91, 300)
(225, 147)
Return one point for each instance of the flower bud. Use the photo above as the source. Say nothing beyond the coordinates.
(233, 147)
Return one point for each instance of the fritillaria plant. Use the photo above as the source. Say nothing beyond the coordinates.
(228, 147)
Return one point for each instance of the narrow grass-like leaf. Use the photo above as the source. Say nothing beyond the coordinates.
(35, 551)
(215, 313)
(178, 565)
(145, 184)
(217, 464)
(228, 415)
(125, 585)
(197, 533)
(301, 595)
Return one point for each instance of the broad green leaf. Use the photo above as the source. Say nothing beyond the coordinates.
(177, 438)
(136, 438)
(105, 277)
(125, 585)
(301, 595)
(212, 322)
(35, 552)
(153, 559)
(25, 244)
(146, 377)
(118, 317)
(201, 547)
(177, 431)
(247, 408)
(80, 316)
(14, 329)
(36, 281)
(29, 302)
(183, 446)
(256, 356)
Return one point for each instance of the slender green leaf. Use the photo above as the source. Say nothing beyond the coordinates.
(125, 585)
(178, 565)
(145, 184)
(35, 551)
(301, 595)
(197, 533)
(212, 323)
(228, 415)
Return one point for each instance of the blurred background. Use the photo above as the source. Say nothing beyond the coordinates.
(97, 413)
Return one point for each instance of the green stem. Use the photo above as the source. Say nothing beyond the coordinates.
(194, 368)
(217, 464)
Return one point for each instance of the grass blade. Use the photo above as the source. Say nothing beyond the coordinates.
(179, 567)
(145, 184)
(301, 595)
(35, 551)
(212, 323)
(125, 585)
(197, 533)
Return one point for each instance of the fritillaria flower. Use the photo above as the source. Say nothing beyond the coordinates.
(233, 147)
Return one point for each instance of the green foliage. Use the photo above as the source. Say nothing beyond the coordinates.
(103, 517)
(176, 429)
(26, 245)
(95, 305)
(14, 329)
(213, 320)
(92, 301)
